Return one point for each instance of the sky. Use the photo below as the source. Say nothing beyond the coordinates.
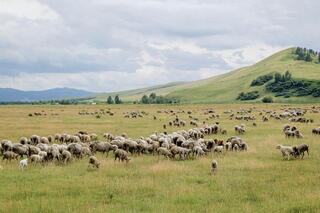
(114, 45)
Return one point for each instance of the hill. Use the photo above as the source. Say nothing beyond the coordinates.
(14, 95)
(226, 87)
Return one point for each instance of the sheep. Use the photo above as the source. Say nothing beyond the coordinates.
(35, 139)
(23, 140)
(299, 150)
(243, 146)
(286, 151)
(9, 155)
(121, 155)
(66, 156)
(23, 164)
(36, 159)
(20, 149)
(214, 167)
(198, 151)
(165, 152)
(218, 149)
(6, 145)
(44, 140)
(236, 147)
(228, 146)
(103, 147)
(93, 161)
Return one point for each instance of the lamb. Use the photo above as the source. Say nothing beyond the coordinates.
(214, 167)
(286, 151)
(93, 161)
(299, 150)
(23, 164)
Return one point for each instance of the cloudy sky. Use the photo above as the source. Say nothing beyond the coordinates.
(112, 45)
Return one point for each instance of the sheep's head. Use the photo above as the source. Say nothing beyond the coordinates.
(278, 146)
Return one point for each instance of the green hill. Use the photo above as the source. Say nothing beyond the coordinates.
(226, 87)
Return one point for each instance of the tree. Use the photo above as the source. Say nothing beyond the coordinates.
(308, 57)
(277, 77)
(145, 99)
(152, 96)
(117, 100)
(110, 100)
(287, 76)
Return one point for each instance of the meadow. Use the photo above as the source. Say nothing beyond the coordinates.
(254, 181)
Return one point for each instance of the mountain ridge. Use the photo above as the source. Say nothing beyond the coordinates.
(16, 95)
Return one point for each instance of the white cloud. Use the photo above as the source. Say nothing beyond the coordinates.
(120, 44)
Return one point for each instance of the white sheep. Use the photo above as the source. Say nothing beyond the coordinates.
(23, 164)
(218, 149)
(286, 151)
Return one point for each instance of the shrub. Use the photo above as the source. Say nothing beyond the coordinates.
(248, 96)
(261, 80)
(267, 100)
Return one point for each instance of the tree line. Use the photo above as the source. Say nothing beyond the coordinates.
(307, 55)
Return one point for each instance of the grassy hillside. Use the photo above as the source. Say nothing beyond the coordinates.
(226, 87)
(133, 95)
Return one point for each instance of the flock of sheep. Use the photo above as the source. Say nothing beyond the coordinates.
(181, 145)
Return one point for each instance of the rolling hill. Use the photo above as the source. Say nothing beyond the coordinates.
(14, 95)
(225, 88)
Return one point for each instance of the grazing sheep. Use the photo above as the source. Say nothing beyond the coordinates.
(36, 159)
(243, 146)
(165, 152)
(286, 151)
(66, 156)
(23, 164)
(23, 140)
(214, 167)
(9, 155)
(236, 147)
(299, 150)
(93, 161)
(121, 155)
(228, 146)
(103, 147)
(198, 151)
(218, 149)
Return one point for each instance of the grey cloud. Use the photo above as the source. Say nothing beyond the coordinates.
(113, 37)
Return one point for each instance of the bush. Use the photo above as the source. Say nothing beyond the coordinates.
(248, 96)
(261, 80)
(267, 100)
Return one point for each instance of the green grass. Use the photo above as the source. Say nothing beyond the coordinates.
(256, 181)
(226, 87)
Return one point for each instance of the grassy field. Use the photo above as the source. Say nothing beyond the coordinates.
(226, 87)
(254, 181)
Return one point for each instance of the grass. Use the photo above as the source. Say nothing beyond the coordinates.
(226, 87)
(256, 181)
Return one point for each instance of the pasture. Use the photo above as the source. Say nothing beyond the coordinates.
(258, 180)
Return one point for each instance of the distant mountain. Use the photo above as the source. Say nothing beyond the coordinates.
(14, 95)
